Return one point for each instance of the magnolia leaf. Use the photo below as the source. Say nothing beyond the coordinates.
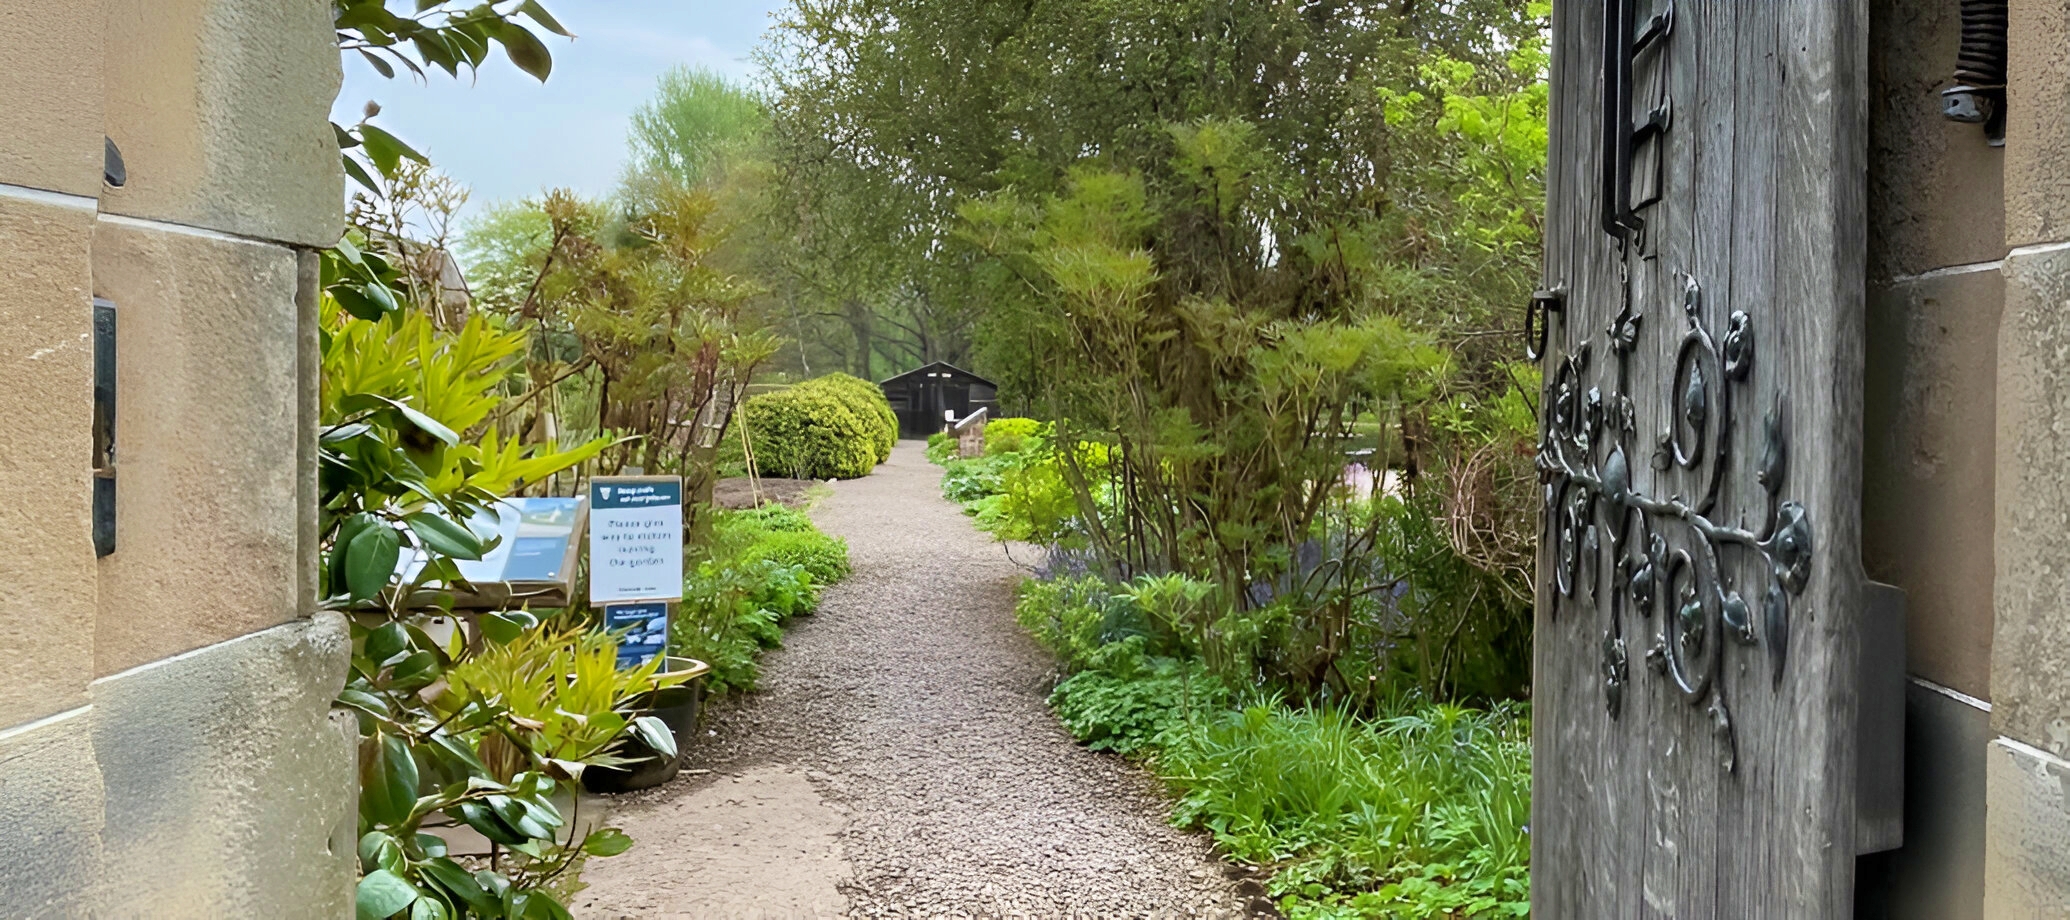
(445, 536)
(449, 875)
(386, 642)
(500, 628)
(382, 894)
(608, 841)
(525, 49)
(545, 19)
(370, 561)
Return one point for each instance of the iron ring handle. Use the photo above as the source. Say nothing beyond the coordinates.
(1538, 319)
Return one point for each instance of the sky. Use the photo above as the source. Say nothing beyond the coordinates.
(507, 136)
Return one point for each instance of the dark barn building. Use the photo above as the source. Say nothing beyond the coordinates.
(926, 397)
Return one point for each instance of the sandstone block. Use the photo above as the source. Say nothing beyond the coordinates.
(231, 790)
(207, 432)
(46, 505)
(1928, 462)
(2037, 128)
(1936, 187)
(50, 128)
(2027, 855)
(222, 111)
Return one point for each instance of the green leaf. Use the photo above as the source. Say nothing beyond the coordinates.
(353, 297)
(388, 781)
(370, 561)
(431, 426)
(608, 841)
(525, 50)
(431, 845)
(655, 734)
(483, 818)
(445, 536)
(386, 150)
(377, 63)
(542, 906)
(429, 909)
(500, 628)
(363, 701)
(416, 671)
(543, 18)
(387, 641)
(379, 850)
(448, 875)
(382, 894)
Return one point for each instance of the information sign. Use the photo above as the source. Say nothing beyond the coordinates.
(635, 539)
(642, 629)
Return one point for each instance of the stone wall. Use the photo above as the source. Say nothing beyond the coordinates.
(2027, 871)
(167, 746)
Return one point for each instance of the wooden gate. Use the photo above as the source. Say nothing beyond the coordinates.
(1700, 598)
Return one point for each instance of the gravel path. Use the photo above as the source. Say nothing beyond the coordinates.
(900, 761)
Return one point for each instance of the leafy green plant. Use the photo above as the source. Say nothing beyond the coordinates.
(1134, 714)
(1010, 435)
(762, 567)
(809, 433)
(823, 557)
(485, 739)
(1420, 813)
(941, 448)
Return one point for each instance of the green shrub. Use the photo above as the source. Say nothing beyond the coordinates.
(825, 558)
(807, 432)
(1010, 435)
(865, 399)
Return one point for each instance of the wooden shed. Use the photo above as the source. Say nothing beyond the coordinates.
(928, 398)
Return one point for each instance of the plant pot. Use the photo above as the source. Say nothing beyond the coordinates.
(676, 707)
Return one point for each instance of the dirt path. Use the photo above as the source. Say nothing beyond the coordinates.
(900, 761)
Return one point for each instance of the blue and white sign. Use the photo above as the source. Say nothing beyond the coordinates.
(635, 539)
(642, 629)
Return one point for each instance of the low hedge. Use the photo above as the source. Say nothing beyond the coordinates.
(865, 399)
(809, 432)
(832, 427)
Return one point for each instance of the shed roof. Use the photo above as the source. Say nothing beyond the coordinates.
(936, 367)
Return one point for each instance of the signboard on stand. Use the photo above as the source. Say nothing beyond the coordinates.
(532, 561)
(636, 560)
(635, 539)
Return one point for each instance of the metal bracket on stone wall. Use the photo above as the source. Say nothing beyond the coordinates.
(103, 426)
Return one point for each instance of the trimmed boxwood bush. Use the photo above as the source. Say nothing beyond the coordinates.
(867, 400)
(808, 432)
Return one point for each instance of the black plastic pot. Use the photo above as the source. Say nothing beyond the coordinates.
(677, 708)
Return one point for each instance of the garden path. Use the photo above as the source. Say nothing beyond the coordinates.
(900, 760)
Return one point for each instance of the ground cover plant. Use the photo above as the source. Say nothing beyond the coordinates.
(762, 568)
(1399, 807)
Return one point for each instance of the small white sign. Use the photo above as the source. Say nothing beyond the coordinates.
(635, 539)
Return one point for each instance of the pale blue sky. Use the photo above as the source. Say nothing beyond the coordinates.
(506, 135)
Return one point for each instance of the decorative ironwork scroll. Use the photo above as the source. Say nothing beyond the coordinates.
(1671, 562)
